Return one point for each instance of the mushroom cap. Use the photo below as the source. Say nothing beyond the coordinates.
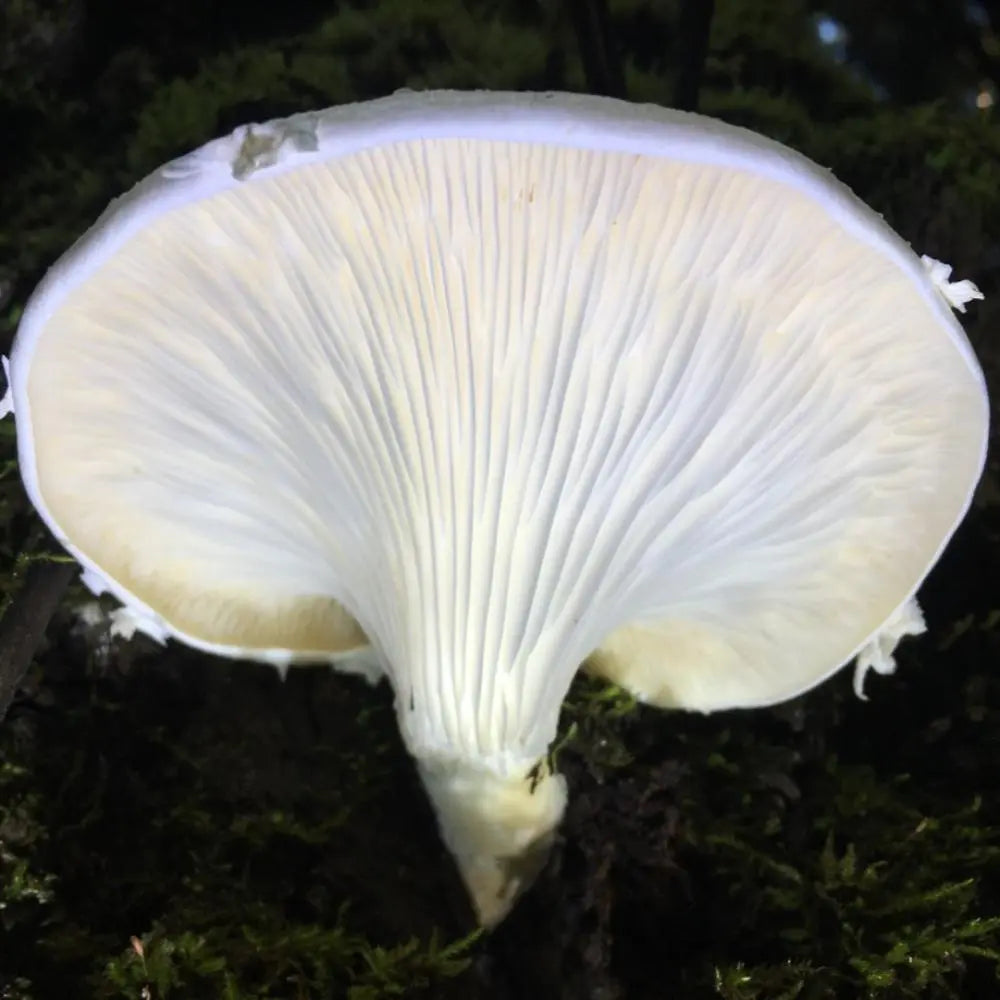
(493, 382)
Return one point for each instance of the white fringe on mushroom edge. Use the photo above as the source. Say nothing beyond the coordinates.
(955, 293)
(7, 400)
(126, 621)
(877, 653)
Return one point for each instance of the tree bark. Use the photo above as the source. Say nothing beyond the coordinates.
(602, 67)
(693, 30)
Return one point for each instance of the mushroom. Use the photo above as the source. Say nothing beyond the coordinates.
(468, 389)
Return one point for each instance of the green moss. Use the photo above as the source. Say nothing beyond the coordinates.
(138, 852)
(256, 959)
(824, 855)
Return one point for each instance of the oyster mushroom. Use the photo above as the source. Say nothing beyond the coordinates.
(467, 389)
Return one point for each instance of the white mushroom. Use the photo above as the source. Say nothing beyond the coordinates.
(498, 382)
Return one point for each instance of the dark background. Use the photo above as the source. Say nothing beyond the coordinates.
(261, 839)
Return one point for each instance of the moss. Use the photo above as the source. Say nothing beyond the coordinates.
(163, 833)
(309, 959)
(795, 867)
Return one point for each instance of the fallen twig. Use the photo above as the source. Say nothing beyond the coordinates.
(25, 621)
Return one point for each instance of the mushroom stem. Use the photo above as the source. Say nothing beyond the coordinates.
(499, 828)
